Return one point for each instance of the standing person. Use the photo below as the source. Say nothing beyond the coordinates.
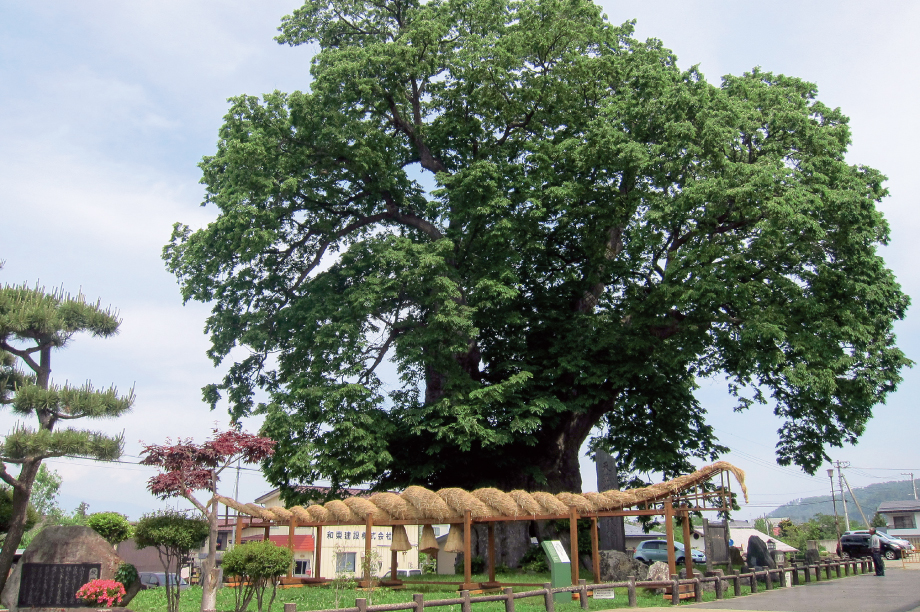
(875, 546)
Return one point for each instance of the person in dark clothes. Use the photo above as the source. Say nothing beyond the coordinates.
(875, 547)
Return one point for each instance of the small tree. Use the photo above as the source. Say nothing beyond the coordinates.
(188, 467)
(258, 565)
(174, 535)
(878, 521)
(33, 323)
(112, 526)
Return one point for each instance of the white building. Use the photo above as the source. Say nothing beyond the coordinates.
(902, 517)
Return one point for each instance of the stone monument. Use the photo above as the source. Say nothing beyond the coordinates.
(611, 530)
(55, 565)
(617, 566)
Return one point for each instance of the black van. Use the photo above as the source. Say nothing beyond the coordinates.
(857, 545)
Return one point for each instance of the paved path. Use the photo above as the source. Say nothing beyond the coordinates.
(897, 591)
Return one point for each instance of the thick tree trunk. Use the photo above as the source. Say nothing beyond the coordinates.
(209, 569)
(21, 494)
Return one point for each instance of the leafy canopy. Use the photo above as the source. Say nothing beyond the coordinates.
(604, 229)
(112, 526)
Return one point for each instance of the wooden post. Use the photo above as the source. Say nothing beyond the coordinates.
(697, 590)
(737, 585)
(368, 530)
(268, 532)
(419, 600)
(548, 597)
(595, 551)
(290, 607)
(361, 604)
(292, 528)
(394, 562)
(318, 556)
(465, 604)
(467, 550)
(239, 530)
(491, 552)
(509, 599)
(583, 594)
(669, 529)
(675, 590)
(719, 585)
(631, 591)
(688, 556)
(573, 543)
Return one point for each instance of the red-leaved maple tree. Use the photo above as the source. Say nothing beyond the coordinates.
(187, 467)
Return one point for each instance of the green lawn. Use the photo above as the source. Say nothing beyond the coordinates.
(323, 597)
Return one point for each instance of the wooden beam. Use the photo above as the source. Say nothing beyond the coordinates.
(595, 552)
(573, 543)
(669, 529)
(318, 554)
(688, 557)
(491, 528)
(292, 528)
(467, 548)
(237, 538)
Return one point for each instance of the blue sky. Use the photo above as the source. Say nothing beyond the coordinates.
(106, 107)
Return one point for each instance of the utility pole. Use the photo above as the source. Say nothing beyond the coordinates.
(911, 474)
(830, 474)
(846, 515)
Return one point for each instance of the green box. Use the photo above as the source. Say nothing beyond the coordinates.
(560, 568)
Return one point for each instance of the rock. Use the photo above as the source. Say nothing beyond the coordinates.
(616, 566)
(658, 571)
(812, 556)
(735, 557)
(707, 586)
(758, 555)
(85, 556)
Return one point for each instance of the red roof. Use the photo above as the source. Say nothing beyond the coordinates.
(301, 542)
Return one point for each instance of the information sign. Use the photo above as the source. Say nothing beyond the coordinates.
(559, 568)
(604, 593)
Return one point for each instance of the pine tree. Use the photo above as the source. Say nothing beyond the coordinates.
(33, 323)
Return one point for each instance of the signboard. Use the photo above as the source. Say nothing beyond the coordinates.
(54, 585)
(604, 594)
(559, 568)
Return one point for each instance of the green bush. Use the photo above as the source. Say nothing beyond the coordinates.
(258, 565)
(126, 574)
(174, 535)
(112, 526)
(534, 561)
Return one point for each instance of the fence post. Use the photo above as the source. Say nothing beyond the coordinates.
(419, 600)
(795, 574)
(827, 569)
(465, 606)
(697, 590)
(846, 567)
(631, 591)
(509, 599)
(818, 572)
(719, 585)
(769, 579)
(290, 607)
(839, 570)
(675, 590)
(737, 576)
(361, 603)
(783, 583)
(548, 597)
(754, 584)
(583, 593)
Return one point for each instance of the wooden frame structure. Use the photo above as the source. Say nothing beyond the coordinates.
(417, 506)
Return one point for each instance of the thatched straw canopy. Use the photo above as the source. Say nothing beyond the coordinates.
(450, 505)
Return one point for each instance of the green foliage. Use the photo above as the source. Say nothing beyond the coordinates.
(604, 229)
(259, 565)
(534, 561)
(821, 527)
(6, 511)
(112, 526)
(45, 491)
(126, 574)
(174, 535)
(878, 521)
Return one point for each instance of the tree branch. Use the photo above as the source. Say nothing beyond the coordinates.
(24, 355)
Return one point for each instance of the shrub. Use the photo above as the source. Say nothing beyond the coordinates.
(258, 565)
(112, 526)
(102, 592)
(534, 560)
(174, 535)
(126, 574)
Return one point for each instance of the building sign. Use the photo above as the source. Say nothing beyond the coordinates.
(338, 534)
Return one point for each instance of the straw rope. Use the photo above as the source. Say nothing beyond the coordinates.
(449, 505)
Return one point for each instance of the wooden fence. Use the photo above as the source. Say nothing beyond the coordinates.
(772, 578)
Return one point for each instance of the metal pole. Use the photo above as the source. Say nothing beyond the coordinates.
(830, 474)
(914, 484)
(846, 515)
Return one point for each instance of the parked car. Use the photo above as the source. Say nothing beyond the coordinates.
(857, 545)
(650, 551)
(905, 544)
(405, 573)
(152, 580)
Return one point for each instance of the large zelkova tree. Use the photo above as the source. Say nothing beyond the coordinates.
(551, 232)
(33, 324)
(186, 467)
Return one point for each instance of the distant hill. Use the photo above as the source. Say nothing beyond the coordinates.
(868, 497)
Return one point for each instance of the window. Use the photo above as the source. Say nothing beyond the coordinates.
(905, 521)
(345, 562)
(302, 567)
